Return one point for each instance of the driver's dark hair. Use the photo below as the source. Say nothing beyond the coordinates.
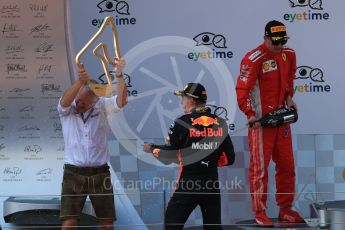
(199, 103)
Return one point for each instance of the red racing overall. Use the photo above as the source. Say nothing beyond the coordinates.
(264, 82)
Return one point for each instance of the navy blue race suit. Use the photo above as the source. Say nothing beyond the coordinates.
(200, 143)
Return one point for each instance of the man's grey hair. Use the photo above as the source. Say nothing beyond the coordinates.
(86, 87)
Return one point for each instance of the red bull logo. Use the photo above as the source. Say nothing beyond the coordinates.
(206, 132)
(204, 121)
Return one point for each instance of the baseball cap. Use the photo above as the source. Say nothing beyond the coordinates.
(194, 90)
(276, 30)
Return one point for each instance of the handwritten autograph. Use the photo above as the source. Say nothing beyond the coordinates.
(28, 108)
(19, 90)
(50, 87)
(14, 49)
(15, 171)
(33, 148)
(10, 28)
(57, 127)
(44, 48)
(28, 128)
(40, 28)
(44, 68)
(9, 9)
(36, 7)
(47, 171)
(52, 108)
(16, 68)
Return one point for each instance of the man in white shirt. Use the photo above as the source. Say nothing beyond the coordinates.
(85, 126)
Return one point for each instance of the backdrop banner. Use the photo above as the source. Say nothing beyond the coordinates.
(168, 44)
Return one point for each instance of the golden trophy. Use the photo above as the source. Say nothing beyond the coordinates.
(102, 90)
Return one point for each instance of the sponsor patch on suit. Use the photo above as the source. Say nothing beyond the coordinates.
(269, 65)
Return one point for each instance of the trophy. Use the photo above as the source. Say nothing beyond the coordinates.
(102, 90)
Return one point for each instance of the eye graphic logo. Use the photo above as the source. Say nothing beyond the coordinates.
(313, 4)
(212, 46)
(103, 80)
(128, 81)
(207, 38)
(313, 11)
(121, 7)
(219, 111)
(222, 112)
(316, 82)
(305, 72)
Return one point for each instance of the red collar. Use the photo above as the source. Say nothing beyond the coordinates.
(266, 50)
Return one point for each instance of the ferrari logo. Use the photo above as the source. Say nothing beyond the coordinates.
(284, 56)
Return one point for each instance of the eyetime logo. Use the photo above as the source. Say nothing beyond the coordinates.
(121, 8)
(312, 11)
(130, 91)
(313, 80)
(216, 42)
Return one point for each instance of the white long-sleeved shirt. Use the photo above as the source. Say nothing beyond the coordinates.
(86, 144)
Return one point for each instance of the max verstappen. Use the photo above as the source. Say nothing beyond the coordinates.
(200, 143)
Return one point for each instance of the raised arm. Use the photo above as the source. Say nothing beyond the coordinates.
(122, 97)
(70, 94)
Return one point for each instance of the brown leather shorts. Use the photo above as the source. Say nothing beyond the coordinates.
(80, 182)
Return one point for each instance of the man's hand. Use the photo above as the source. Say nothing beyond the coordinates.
(253, 122)
(147, 147)
(119, 65)
(71, 93)
(83, 75)
(290, 103)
